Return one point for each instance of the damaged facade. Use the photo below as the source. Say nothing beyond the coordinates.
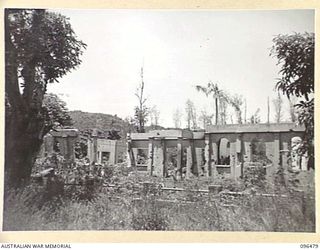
(222, 149)
(102, 150)
(61, 140)
(99, 150)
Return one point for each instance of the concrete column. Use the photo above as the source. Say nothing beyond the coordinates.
(199, 160)
(247, 152)
(233, 158)
(130, 154)
(179, 156)
(214, 153)
(98, 157)
(68, 149)
(189, 160)
(62, 145)
(158, 159)
(276, 151)
(304, 162)
(164, 163)
(112, 159)
(90, 150)
(207, 154)
(214, 159)
(150, 155)
(285, 154)
(135, 154)
(270, 151)
(116, 152)
(95, 148)
(71, 142)
(241, 153)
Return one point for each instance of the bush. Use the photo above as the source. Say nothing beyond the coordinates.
(26, 210)
(129, 206)
(254, 176)
(148, 215)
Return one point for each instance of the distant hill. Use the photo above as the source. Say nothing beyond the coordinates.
(85, 121)
(104, 122)
(154, 127)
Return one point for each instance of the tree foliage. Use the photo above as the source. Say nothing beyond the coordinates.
(140, 118)
(292, 108)
(205, 118)
(44, 40)
(222, 100)
(56, 113)
(255, 118)
(217, 94)
(295, 54)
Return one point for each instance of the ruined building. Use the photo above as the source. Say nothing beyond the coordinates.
(61, 140)
(220, 149)
(99, 150)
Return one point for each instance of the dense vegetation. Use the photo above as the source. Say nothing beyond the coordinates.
(122, 199)
(295, 55)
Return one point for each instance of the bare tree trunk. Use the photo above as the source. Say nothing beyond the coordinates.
(268, 118)
(23, 143)
(216, 104)
(245, 111)
(23, 133)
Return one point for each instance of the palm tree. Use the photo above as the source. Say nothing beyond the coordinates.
(212, 88)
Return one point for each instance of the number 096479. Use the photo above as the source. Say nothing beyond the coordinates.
(308, 246)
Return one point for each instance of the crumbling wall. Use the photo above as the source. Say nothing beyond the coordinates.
(158, 158)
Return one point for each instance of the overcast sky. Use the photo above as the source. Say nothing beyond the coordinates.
(178, 49)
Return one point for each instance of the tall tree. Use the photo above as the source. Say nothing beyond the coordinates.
(223, 107)
(141, 111)
(295, 55)
(191, 115)
(236, 101)
(205, 118)
(56, 113)
(278, 103)
(245, 111)
(212, 89)
(40, 47)
(255, 118)
(154, 116)
(177, 115)
(268, 110)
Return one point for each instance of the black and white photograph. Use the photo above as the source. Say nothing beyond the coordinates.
(159, 120)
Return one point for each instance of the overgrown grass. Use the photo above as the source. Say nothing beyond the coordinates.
(247, 213)
(128, 207)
